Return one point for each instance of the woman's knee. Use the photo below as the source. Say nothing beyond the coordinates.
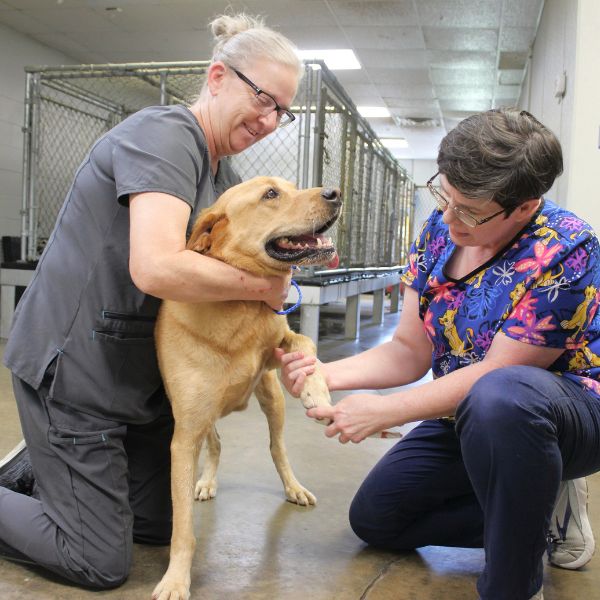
(110, 570)
(363, 520)
(501, 397)
(376, 523)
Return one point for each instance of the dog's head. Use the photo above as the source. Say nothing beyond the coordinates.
(266, 224)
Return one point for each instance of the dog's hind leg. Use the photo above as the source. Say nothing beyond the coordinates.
(206, 486)
(185, 448)
(272, 402)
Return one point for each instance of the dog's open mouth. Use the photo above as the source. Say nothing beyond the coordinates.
(303, 249)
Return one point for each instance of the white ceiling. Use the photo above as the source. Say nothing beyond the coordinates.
(437, 60)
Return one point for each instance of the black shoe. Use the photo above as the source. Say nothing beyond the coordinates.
(15, 470)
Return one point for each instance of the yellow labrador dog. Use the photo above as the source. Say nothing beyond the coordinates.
(213, 355)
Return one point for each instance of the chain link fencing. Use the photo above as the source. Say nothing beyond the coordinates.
(425, 204)
(329, 144)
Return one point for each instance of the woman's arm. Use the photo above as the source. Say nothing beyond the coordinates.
(358, 416)
(404, 359)
(161, 266)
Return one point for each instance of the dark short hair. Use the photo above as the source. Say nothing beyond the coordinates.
(504, 154)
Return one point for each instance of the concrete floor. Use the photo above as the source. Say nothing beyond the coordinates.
(253, 545)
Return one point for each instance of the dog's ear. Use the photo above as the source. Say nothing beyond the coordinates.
(201, 238)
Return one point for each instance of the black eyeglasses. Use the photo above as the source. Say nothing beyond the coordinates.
(266, 103)
(463, 215)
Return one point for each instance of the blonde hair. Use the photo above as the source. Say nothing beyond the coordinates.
(242, 39)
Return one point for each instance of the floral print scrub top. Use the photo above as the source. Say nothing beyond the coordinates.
(542, 289)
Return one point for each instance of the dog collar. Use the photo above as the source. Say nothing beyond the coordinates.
(287, 311)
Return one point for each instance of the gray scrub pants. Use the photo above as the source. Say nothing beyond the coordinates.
(102, 486)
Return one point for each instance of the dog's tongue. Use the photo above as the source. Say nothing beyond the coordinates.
(334, 262)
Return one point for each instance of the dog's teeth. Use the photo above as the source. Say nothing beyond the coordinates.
(319, 242)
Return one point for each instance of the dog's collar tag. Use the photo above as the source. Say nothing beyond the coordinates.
(287, 311)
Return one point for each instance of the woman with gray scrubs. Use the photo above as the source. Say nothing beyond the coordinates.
(93, 476)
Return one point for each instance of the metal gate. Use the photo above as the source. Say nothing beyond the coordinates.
(68, 108)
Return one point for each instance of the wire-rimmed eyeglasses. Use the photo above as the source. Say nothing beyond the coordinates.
(266, 103)
(464, 216)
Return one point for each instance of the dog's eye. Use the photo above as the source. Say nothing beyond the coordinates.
(270, 194)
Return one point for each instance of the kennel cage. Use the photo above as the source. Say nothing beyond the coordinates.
(68, 108)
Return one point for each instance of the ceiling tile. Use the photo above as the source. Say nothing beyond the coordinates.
(64, 44)
(410, 93)
(416, 112)
(522, 13)
(186, 45)
(512, 60)
(510, 77)
(367, 89)
(385, 38)
(368, 100)
(400, 13)
(405, 59)
(479, 40)
(403, 77)
(316, 38)
(468, 106)
(73, 19)
(352, 77)
(517, 38)
(26, 5)
(23, 22)
(97, 41)
(401, 104)
(504, 102)
(158, 18)
(462, 60)
(460, 13)
(457, 92)
(507, 91)
(463, 77)
(279, 14)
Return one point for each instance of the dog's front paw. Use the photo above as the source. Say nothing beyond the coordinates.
(300, 495)
(315, 392)
(205, 489)
(171, 589)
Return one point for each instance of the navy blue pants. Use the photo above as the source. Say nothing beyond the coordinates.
(490, 480)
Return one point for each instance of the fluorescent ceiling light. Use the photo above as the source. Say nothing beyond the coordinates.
(373, 111)
(394, 143)
(336, 60)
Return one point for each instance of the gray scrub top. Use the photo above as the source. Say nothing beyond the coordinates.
(82, 308)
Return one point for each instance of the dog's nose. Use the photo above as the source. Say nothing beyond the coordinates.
(331, 194)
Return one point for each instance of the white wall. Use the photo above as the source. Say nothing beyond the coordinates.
(420, 171)
(553, 53)
(584, 153)
(567, 41)
(16, 52)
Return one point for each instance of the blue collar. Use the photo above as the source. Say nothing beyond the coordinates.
(295, 306)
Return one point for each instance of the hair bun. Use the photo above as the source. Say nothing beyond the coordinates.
(225, 27)
(242, 39)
